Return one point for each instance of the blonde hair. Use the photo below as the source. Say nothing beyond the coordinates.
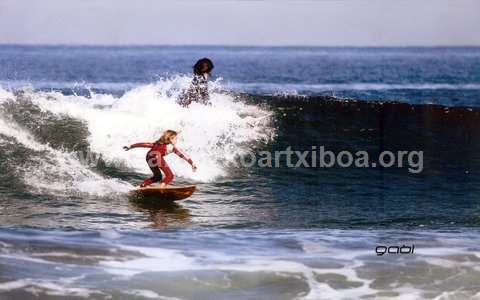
(166, 137)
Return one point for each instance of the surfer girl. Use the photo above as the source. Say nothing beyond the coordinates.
(155, 158)
(198, 89)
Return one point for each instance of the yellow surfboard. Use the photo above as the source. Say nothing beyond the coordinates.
(169, 193)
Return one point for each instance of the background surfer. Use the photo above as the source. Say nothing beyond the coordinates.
(198, 89)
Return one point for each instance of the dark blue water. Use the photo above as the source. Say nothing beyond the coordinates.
(449, 76)
(69, 227)
(65, 99)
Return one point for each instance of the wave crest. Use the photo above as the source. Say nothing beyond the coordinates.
(212, 135)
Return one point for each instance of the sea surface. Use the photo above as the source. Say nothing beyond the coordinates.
(70, 229)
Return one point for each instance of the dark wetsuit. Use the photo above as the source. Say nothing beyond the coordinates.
(157, 163)
(197, 92)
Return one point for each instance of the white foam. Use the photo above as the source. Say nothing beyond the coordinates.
(49, 288)
(58, 172)
(110, 234)
(212, 135)
(159, 260)
(289, 263)
(149, 295)
(155, 260)
(208, 134)
(5, 95)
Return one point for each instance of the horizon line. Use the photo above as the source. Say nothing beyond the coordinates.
(231, 45)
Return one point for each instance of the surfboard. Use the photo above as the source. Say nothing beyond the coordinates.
(169, 193)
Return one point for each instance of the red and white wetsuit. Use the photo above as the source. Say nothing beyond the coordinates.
(156, 162)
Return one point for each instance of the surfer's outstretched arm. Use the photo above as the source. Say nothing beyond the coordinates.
(138, 145)
(184, 156)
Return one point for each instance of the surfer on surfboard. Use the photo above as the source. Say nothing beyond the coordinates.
(155, 158)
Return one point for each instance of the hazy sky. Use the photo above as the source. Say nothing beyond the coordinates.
(241, 22)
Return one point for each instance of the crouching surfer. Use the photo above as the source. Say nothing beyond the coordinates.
(198, 89)
(155, 158)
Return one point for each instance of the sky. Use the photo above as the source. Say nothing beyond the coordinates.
(241, 22)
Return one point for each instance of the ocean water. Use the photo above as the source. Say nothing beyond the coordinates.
(69, 228)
